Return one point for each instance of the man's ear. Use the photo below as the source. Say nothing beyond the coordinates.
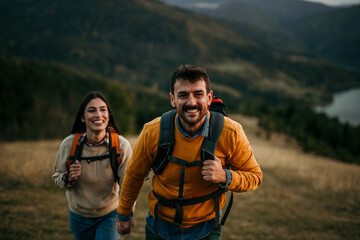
(172, 100)
(210, 97)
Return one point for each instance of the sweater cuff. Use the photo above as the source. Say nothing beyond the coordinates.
(67, 183)
(228, 179)
(123, 218)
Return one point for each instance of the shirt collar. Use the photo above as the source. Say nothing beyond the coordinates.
(105, 140)
(204, 130)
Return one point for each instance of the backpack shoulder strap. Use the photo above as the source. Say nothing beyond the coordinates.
(75, 151)
(114, 149)
(115, 145)
(216, 125)
(167, 141)
(167, 128)
(208, 147)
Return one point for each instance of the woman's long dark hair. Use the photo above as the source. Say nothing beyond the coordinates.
(80, 127)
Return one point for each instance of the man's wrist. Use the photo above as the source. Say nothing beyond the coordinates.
(228, 179)
(123, 218)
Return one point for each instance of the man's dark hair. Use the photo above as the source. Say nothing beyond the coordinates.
(189, 73)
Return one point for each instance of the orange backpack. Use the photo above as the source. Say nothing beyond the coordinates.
(114, 153)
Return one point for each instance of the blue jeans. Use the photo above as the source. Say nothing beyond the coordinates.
(84, 228)
(214, 235)
(170, 231)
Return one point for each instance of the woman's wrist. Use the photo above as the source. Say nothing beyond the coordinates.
(68, 182)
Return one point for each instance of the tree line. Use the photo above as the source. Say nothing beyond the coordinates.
(316, 132)
(40, 100)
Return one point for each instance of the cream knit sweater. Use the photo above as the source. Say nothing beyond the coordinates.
(95, 194)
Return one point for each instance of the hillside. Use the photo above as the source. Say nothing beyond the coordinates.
(334, 35)
(295, 25)
(142, 42)
(302, 197)
(137, 42)
(40, 100)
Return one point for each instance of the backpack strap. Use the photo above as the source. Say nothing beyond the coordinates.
(166, 143)
(114, 153)
(227, 211)
(208, 147)
(114, 149)
(76, 149)
(216, 125)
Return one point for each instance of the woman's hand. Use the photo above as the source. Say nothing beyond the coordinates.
(75, 171)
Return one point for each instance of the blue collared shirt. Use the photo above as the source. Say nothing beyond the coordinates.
(203, 131)
(169, 231)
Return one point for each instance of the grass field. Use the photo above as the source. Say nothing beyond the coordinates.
(303, 196)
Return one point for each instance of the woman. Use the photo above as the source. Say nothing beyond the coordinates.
(91, 165)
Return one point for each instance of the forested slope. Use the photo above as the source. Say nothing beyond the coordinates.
(40, 100)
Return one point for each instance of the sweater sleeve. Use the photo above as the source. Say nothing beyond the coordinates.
(125, 154)
(138, 167)
(245, 171)
(60, 162)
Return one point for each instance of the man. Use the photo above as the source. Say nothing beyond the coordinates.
(234, 167)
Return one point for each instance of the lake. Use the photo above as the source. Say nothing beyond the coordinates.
(346, 106)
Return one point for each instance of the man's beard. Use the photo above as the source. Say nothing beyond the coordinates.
(199, 108)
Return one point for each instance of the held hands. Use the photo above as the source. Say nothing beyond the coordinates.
(213, 171)
(74, 171)
(124, 228)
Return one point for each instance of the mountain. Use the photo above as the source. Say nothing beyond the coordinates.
(140, 43)
(254, 10)
(269, 15)
(293, 26)
(334, 35)
(133, 41)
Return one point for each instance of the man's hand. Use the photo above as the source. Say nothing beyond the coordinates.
(213, 171)
(74, 171)
(124, 228)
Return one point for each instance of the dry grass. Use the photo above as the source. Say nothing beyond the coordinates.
(303, 196)
(28, 161)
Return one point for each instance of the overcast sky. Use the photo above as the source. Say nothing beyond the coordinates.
(336, 2)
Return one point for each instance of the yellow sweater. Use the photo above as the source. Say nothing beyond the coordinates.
(233, 149)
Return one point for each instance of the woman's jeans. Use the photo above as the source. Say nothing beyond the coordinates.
(84, 228)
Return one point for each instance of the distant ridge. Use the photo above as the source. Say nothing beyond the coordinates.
(140, 43)
(327, 31)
